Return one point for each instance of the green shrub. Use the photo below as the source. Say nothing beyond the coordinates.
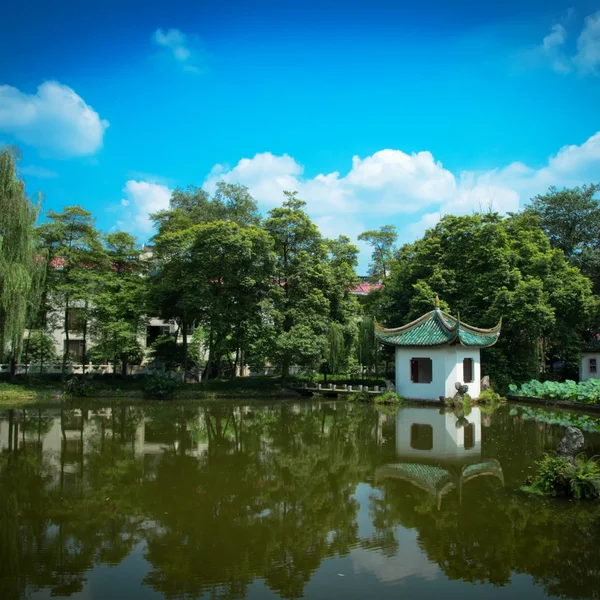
(558, 476)
(388, 398)
(586, 392)
(161, 385)
(488, 397)
(80, 387)
(361, 397)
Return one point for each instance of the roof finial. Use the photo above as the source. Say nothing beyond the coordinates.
(437, 301)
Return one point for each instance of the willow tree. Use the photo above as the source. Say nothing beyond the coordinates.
(19, 269)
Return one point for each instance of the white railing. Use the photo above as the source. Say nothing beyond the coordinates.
(75, 368)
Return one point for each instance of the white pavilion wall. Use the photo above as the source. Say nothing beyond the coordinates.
(448, 440)
(456, 355)
(447, 369)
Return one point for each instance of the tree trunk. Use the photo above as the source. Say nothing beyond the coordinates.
(210, 354)
(66, 348)
(185, 346)
(27, 352)
(115, 356)
(84, 361)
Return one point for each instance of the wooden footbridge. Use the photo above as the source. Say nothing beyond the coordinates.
(332, 388)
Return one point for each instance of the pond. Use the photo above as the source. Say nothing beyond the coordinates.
(285, 500)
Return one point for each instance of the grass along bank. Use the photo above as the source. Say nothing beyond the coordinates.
(15, 395)
(26, 390)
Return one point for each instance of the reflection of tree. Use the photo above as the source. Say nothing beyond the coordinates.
(223, 495)
(489, 532)
(273, 495)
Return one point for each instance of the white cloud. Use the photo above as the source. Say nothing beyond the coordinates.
(412, 191)
(555, 38)
(54, 119)
(392, 183)
(180, 46)
(38, 172)
(143, 198)
(588, 45)
(587, 57)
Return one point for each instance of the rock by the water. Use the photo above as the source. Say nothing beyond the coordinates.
(485, 383)
(389, 386)
(571, 444)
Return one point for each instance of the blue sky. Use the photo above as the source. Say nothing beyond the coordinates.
(376, 112)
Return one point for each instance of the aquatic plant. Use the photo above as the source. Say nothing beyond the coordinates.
(585, 392)
(558, 476)
(560, 418)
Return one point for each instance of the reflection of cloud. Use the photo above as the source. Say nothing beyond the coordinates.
(409, 561)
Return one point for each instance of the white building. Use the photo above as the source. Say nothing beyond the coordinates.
(590, 361)
(436, 351)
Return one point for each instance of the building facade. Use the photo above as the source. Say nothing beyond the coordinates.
(435, 352)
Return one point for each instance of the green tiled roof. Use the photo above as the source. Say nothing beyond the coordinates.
(428, 477)
(437, 328)
(592, 345)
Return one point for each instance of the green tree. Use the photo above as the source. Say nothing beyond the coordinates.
(383, 242)
(487, 267)
(171, 294)
(77, 259)
(300, 304)
(21, 264)
(119, 303)
(230, 272)
(571, 220)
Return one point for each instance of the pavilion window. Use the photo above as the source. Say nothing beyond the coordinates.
(593, 366)
(421, 436)
(421, 370)
(469, 431)
(467, 370)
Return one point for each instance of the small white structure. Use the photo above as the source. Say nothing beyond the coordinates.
(438, 451)
(590, 361)
(436, 351)
(427, 433)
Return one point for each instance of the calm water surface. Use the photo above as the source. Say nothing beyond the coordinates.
(284, 500)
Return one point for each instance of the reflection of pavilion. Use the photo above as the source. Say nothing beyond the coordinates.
(439, 451)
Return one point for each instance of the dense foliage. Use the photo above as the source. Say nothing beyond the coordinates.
(21, 264)
(272, 291)
(559, 476)
(586, 392)
(487, 267)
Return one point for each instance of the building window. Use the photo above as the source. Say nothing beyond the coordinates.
(154, 331)
(421, 437)
(593, 367)
(467, 370)
(420, 370)
(74, 350)
(469, 431)
(75, 320)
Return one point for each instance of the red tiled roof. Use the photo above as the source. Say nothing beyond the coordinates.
(366, 288)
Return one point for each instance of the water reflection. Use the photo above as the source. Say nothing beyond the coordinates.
(232, 501)
(439, 451)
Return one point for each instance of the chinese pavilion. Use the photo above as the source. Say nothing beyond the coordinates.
(436, 351)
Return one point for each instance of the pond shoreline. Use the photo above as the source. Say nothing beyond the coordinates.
(549, 402)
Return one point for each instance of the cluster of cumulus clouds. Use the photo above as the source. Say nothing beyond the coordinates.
(390, 184)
